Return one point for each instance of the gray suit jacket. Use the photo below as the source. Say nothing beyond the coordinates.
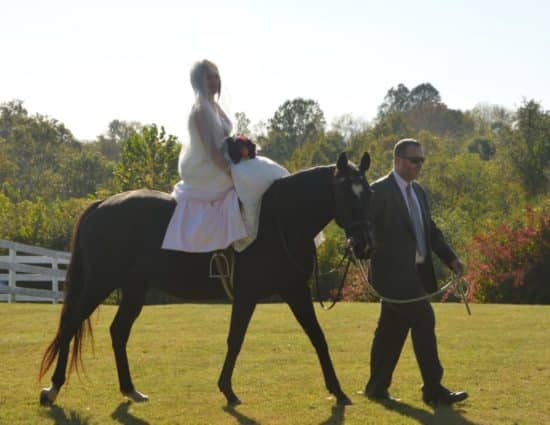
(394, 272)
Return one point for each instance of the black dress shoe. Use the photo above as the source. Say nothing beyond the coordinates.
(444, 397)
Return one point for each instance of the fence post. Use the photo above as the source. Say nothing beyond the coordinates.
(55, 280)
(11, 276)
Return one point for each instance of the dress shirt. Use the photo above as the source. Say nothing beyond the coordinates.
(403, 187)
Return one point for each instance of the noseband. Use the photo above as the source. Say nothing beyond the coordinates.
(355, 224)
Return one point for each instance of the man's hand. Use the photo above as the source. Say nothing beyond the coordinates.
(457, 267)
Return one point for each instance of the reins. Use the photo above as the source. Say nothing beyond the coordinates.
(459, 285)
(316, 272)
(333, 270)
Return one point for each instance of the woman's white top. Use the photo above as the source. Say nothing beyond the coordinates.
(207, 216)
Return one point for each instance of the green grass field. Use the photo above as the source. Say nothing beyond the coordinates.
(500, 354)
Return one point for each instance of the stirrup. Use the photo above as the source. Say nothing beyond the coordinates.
(225, 274)
(217, 257)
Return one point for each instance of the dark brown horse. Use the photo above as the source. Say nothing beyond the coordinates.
(116, 244)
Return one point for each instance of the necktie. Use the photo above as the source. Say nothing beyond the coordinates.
(417, 223)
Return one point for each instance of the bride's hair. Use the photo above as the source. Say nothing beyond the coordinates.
(198, 77)
(199, 71)
(198, 148)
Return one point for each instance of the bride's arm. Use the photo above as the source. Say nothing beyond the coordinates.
(207, 137)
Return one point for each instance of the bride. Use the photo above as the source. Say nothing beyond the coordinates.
(208, 215)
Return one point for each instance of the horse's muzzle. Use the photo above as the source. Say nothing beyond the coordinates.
(362, 250)
(363, 254)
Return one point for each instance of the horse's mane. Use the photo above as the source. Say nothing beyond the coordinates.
(304, 181)
(304, 192)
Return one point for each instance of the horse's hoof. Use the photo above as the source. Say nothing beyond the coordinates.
(44, 399)
(136, 396)
(343, 400)
(233, 401)
(48, 396)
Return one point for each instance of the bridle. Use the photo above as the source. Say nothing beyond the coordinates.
(316, 273)
(347, 254)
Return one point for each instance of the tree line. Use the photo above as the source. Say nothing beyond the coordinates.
(486, 168)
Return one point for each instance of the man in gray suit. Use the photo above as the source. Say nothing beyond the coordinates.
(402, 268)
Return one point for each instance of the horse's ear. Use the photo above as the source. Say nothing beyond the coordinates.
(342, 162)
(365, 163)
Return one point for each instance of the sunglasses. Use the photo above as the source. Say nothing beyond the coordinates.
(414, 159)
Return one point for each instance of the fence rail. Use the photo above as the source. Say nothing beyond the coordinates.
(27, 268)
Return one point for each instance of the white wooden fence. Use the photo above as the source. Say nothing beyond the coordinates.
(35, 264)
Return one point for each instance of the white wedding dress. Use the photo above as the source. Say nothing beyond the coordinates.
(207, 216)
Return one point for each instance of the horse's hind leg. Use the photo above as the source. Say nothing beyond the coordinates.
(240, 318)
(302, 307)
(71, 322)
(128, 311)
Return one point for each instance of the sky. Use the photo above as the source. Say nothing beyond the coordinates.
(88, 63)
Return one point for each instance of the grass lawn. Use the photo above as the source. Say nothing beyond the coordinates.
(500, 354)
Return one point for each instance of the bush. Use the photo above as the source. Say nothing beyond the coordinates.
(46, 224)
(510, 261)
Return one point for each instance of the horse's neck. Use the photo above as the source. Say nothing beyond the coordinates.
(307, 201)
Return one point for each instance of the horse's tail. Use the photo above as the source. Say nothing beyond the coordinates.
(74, 283)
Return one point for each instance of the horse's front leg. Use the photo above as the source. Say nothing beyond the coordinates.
(300, 303)
(240, 318)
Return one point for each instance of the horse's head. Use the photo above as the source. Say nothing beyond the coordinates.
(352, 211)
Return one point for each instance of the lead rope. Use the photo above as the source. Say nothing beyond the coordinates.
(315, 271)
(460, 287)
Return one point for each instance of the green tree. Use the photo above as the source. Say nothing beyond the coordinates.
(108, 144)
(35, 146)
(148, 160)
(318, 152)
(295, 123)
(347, 126)
(45, 223)
(396, 100)
(485, 148)
(424, 94)
(422, 109)
(401, 99)
(438, 119)
(528, 145)
(84, 173)
(242, 123)
(491, 118)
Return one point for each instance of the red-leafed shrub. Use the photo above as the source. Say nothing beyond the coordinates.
(510, 262)
(354, 289)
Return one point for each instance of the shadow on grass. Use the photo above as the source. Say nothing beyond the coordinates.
(242, 419)
(337, 416)
(443, 415)
(71, 417)
(123, 416)
(447, 415)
